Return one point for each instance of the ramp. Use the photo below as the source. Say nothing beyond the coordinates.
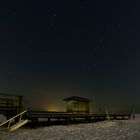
(18, 125)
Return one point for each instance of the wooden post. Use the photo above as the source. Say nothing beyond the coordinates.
(49, 121)
(34, 122)
(107, 114)
(133, 112)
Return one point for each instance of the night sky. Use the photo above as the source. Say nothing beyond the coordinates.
(51, 49)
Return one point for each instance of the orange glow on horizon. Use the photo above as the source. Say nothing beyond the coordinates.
(52, 108)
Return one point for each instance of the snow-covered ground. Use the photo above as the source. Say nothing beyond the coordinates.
(105, 130)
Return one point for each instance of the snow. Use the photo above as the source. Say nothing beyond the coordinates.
(2, 118)
(105, 130)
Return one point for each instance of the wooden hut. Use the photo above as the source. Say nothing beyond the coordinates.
(11, 105)
(76, 104)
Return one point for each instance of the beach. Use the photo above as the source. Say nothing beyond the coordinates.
(104, 130)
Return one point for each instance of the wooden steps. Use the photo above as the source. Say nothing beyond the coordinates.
(18, 125)
(20, 122)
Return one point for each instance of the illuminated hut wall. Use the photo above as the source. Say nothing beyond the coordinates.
(77, 105)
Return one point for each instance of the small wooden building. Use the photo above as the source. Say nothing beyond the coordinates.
(11, 104)
(76, 104)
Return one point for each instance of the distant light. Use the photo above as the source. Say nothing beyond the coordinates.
(51, 108)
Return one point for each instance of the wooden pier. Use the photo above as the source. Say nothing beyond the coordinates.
(62, 117)
(12, 106)
(69, 118)
(120, 116)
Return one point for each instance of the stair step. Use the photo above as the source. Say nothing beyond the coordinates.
(17, 125)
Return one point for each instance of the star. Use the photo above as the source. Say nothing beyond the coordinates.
(54, 15)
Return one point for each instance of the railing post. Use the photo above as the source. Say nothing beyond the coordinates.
(20, 117)
(9, 124)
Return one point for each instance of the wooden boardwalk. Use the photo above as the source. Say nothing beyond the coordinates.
(63, 115)
(120, 116)
(69, 118)
(11, 105)
(52, 118)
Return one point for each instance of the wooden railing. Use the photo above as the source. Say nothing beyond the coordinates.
(10, 120)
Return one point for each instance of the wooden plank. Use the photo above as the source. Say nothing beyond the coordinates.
(18, 125)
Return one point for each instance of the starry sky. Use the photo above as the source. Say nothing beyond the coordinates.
(50, 50)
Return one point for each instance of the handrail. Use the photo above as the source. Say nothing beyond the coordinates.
(13, 117)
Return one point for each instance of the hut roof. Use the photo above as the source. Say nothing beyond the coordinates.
(12, 95)
(76, 99)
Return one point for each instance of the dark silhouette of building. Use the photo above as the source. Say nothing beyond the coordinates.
(11, 105)
(76, 104)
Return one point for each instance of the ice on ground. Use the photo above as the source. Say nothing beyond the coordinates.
(105, 130)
